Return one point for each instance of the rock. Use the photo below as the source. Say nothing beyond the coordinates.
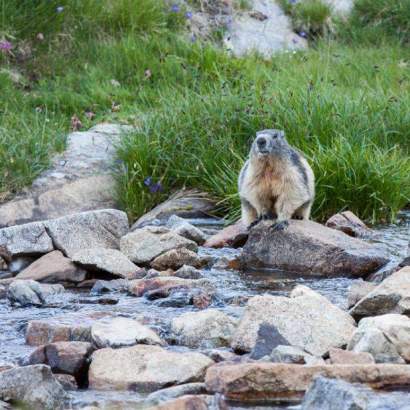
(144, 368)
(67, 381)
(106, 286)
(144, 245)
(333, 394)
(358, 290)
(30, 292)
(233, 236)
(277, 381)
(175, 392)
(20, 263)
(175, 259)
(3, 292)
(94, 229)
(386, 337)
(268, 338)
(289, 354)
(122, 332)
(30, 239)
(79, 179)
(184, 203)
(348, 223)
(189, 402)
(34, 386)
(391, 296)
(307, 320)
(220, 355)
(3, 264)
(188, 272)
(4, 406)
(405, 262)
(339, 356)
(53, 268)
(307, 247)
(109, 261)
(206, 329)
(183, 297)
(183, 228)
(64, 357)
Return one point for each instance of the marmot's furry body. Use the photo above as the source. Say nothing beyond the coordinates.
(276, 182)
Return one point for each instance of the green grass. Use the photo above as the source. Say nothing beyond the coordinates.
(196, 109)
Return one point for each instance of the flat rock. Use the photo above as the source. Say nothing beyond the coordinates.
(93, 229)
(358, 290)
(183, 228)
(174, 392)
(289, 354)
(176, 258)
(144, 368)
(30, 292)
(184, 203)
(276, 381)
(348, 223)
(107, 286)
(307, 320)
(234, 236)
(307, 247)
(340, 356)
(34, 386)
(143, 245)
(206, 329)
(105, 260)
(391, 296)
(122, 332)
(53, 267)
(78, 180)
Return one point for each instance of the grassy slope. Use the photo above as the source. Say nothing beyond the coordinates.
(345, 104)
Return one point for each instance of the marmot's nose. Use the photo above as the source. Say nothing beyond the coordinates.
(261, 142)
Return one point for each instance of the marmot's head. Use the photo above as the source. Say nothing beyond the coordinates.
(269, 142)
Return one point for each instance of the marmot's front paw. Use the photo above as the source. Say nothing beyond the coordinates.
(279, 226)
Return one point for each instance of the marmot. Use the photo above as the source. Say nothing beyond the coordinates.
(276, 182)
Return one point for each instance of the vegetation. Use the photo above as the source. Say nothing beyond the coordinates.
(196, 109)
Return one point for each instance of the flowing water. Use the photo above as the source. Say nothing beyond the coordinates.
(234, 288)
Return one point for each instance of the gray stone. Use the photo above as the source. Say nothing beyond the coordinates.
(34, 386)
(234, 235)
(67, 381)
(206, 329)
(175, 259)
(144, 245)
(268, 338)
(348, 223)
(53, 267)
(181, 227)
(79, 179)
(188, 272)
(122, 332)
(30, 292)
(144, 368)
(333, 394)
(358, 290)
(170, 393)
(306, 319)
(391, 296)
(106, 286)
(307, 247)
(20, 263)
(93, 229)
(340, 356)
(104, 260)
(289, 354)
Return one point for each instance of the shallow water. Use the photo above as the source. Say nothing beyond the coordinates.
(234, 288)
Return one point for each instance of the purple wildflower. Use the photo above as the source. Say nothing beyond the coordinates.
(155, 188)
(293, 1)
(188, 15)
(5, 45)
(175, 8)
(193, 38)
(303, 34)
(60, 9)
(148, 181)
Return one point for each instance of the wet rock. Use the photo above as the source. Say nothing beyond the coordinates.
(34, 386)
(64, 357)
(30, 292)
(358, 290)
(221, 355)
(183, 228)
(53, 268)
(107, 286)
(340, 356)
(175, 392)
(189, 402)
(144, 245)
(205, 329)
(348, 223)
(3, 292)
(20, 263)
(333, 394)
(175, 259)
(277, 381)
(93, 229)
(144, 368)
(79, 179)
(307, 247)
(405, 262)
(109, 261)
(184, 203)
(307, 320)
(3, 264)
(122, 332)
(268, 338)
(233, 236)
(289, 354)
(179, 298)
(67, 381)
(391, 296)
(386, 337)
(188, 272)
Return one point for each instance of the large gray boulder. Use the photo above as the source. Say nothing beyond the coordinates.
(144, 368)
(30, 292)
(34, 386)
(306, 319)
(183, 228)
(307, 247)
(391, 296)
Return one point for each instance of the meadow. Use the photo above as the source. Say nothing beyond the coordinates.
(344, 101)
